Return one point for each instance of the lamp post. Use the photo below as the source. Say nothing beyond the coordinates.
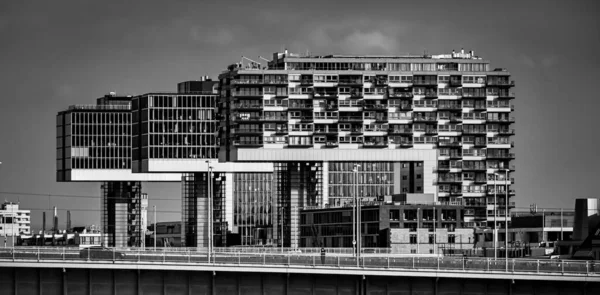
(154, 229)
(495, 208)
(506, 196)
(210, 213)
(355, 170)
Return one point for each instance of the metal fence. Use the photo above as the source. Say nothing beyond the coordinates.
(308, 257)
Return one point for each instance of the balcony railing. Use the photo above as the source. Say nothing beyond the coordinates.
(374, 107)
(400, 131)
(372, 144)
(449, 107)
(471, 131)
(500, 83)
(326, 131)
(449, 144)
(425, 119)
(401, 95)
(350, 104)
(350, 119)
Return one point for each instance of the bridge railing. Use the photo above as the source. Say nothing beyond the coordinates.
(333, 260)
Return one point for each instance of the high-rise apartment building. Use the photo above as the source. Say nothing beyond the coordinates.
(319, 118)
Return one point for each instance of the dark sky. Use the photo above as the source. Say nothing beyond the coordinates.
(57, 53)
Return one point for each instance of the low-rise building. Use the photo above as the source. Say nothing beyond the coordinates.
(402, 226)
(13, 220)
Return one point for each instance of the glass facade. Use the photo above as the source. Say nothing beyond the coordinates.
(254, 207)
(121, 213)
(177, 126)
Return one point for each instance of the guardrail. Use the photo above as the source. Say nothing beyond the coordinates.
(308, 257)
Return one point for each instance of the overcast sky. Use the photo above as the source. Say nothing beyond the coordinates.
(57, 53)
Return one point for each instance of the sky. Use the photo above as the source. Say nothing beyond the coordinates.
(57, 53)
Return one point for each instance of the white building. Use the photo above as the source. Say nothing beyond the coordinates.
(14, 221)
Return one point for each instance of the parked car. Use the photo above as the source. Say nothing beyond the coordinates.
(100, 253)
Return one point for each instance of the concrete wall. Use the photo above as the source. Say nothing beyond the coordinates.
(53, 281)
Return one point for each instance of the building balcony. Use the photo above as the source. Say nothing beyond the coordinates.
(424, 119)
(380, 119)
(501, 156)
(248, 95)
(350, 119)
(273, 119)
(505, 83)
(501, 120)
(447, 181)
(275, 82)
(455, 83)
(375, 107)
(306, 82)
(306, 119)
(404, 107)
(246, 107)
(471, 131)
(281, 132)
(299, 145)
(450, 107)
(372, 144)
(350, 104)
(358, 82)
(332, 94)
(505, 131)
(247, 82)
(401, 95)
(404, 145)
(356, 132)
(240, 143)
(295, 106)
(247, 131)
(432, 94)
(449, 144)
(331, 144)
(400, 131)
(425, 83)
(325, 132)
(474, 168)
(428, 131)
(509, 95)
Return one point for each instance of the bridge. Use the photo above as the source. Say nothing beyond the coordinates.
(26, 270)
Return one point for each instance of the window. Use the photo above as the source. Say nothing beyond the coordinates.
(404, 177)
(419, 189)
(418, 176)
(443, 79)
(451, 239)
(405, 190)
(431, 239)
(413, 239)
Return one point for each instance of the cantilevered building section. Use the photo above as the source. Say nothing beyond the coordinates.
(447, 117)
(177, 132)
(94, 145)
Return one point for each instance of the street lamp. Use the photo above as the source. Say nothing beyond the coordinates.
(354, 215)
(506, 196)
(210, 213)
(495, 213)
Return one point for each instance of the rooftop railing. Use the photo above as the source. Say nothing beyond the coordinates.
(99, 107)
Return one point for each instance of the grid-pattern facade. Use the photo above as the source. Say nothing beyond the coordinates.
(174, 126)
(121, 213)
(453, 103)
(93, 137)
(254, 207)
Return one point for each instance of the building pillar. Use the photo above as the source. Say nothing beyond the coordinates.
(121, 213)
